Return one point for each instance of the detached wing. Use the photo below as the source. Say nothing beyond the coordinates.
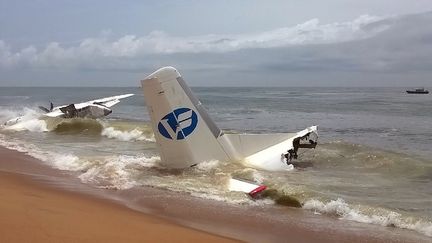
(59, 111)
(108, 101)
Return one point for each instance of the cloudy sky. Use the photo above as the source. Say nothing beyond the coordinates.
(217, 43)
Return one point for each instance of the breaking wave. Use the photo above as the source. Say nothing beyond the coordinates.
(30, 120)
(7, 113)
(112, 172)
(132, 135)
(32, 125)
(343, 210)
(75, 126)
(208, 165)
(61, 161)
(25, 119)
(122, 131)
(117, 172)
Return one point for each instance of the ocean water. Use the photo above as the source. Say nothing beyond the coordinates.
(373, 163)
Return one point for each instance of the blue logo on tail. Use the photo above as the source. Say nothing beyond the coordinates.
(178, 124)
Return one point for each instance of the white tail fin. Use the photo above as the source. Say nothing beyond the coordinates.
(184, 132)
(186, 136)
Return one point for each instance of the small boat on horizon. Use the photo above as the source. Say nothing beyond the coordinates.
(418, 91)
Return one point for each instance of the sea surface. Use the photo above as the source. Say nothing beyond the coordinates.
(373, 163)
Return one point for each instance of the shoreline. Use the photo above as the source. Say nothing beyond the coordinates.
(187, 217)
(34, 213)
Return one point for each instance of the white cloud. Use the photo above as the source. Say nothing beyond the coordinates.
(102, 49)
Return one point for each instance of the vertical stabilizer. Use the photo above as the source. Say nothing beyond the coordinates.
(185, 134)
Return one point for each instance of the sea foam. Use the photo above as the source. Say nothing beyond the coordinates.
(27, 119)
(208, 165)
(32, 125)
(344, 211)
(132, 135)
(117, 171)
(61, 161)
(113, 171)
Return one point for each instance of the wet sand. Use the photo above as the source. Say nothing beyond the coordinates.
(32, 212)
(35, 208)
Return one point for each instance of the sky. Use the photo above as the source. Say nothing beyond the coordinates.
(217, 43)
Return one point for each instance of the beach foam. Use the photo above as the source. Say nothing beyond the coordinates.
(32, 125)
(27, 119)
(113, 171)
(208, 165)
(61, 161)
(117, 171)
(387, 218)
(132, 135)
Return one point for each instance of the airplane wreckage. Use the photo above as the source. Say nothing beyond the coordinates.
(186, 135)
(89, 109)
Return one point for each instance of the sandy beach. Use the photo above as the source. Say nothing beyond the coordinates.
(31, 212)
